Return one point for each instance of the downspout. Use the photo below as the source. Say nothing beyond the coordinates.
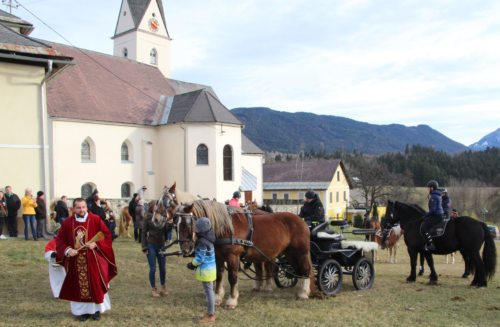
(45, 147)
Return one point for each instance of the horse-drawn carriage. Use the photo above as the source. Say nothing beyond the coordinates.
(333, 257)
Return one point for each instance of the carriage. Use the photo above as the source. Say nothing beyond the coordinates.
(333, 257)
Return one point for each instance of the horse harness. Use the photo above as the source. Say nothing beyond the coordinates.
(248, 243)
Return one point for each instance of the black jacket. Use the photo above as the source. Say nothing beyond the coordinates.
(61, 210)
(40, 210)
(13, 204)
(313, 211)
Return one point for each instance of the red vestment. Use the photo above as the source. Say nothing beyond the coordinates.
(89, 272)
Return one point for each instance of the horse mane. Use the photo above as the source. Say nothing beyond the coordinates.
(217, 213)
(411, 206)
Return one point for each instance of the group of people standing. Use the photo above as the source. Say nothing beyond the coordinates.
(33, 210)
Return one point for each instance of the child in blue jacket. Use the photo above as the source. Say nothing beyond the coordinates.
(204, 263)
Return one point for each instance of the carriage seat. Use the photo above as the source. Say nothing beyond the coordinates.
(336, 236)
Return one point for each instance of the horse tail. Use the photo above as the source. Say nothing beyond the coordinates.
(489, 253)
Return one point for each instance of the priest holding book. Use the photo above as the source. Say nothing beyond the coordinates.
(84, 248)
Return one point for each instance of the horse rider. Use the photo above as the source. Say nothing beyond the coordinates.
(235, 201)
(446, 202)
(312, 211)
(435, 214)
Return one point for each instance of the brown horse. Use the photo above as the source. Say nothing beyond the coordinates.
(389, 240)
(125, 221)
(273, 235)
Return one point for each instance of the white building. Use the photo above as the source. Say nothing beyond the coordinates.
(118, 123)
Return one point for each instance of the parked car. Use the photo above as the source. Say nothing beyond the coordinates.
(494, 232)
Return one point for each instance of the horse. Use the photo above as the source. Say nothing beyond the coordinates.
(464, 234)
(388, 238)
(259, 239)
(125, 221)
(181, 197)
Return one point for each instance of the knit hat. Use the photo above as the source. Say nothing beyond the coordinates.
(39, 193)
(310, 194)
(203, 225)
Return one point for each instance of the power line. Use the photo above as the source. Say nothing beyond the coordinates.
(86, 54)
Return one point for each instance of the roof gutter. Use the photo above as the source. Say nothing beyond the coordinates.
(34, 60)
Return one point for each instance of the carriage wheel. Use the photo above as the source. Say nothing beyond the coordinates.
(283, 278)
(363, 274)
(330, 277)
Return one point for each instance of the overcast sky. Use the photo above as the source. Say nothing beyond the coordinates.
(408, 61)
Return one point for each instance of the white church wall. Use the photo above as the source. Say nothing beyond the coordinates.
(150, 39)
(231, 135)
(106, 170)
(253, 163)
(128, 41)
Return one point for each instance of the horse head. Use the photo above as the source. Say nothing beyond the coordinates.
(184, 221)
(391, 217)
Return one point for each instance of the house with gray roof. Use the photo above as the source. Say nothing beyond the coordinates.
(285, 183)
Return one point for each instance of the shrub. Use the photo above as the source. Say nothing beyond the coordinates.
(358, 221)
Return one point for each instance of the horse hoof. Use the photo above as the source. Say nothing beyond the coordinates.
(432, 282)
(465, 275)
(230, 307)
(410, 280)
(421, 272)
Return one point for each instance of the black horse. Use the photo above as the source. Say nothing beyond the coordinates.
(463, 234)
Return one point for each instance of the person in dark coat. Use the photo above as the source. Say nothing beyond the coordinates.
(94, 205)
(40, 213)
(13, 204)
(435, 214)
(61, 210)
(131, 210)
(312, 211)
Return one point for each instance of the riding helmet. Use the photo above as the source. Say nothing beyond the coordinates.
(203, 225)
(433, 184)
(236, 195)
(310, 194)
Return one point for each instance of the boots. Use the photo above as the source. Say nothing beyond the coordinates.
(207, 319)
(163, 290)
(154, 293)
(429, 246)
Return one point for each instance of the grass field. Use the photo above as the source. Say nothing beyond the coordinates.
(26, 297)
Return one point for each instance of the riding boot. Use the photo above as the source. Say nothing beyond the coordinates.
(429, 246)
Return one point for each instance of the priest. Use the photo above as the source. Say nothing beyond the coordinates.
(84, 248)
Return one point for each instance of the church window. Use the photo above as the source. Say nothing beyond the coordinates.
(153, 56)
(202, 155)
(125, 52)
(228, 162)
(126, 190)
(87, 150)
(124, 152)
(87, 190)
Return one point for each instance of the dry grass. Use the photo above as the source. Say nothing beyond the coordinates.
(26, 297)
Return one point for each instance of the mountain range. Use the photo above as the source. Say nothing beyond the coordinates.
(280, 131)
(489, 141)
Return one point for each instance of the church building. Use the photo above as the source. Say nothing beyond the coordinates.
(118, 122)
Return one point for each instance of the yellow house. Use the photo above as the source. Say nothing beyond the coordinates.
(285, 183)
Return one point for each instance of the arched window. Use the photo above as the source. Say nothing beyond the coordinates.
(125, 52)
(202, 155)
(228, 163)
(153, 57)
(87, 150)
(87, 189)
(124, 152)
(127, 190)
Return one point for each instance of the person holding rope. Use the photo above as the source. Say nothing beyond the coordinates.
(153, 239)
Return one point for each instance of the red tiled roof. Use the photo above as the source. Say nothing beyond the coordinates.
(125, 91)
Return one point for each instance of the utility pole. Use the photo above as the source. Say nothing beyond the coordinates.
(11, 5)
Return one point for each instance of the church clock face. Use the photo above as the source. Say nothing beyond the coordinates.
(153, 24)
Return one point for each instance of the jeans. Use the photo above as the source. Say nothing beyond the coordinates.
(208, 288)
(153, 255)
(31, 220)
(39, 227)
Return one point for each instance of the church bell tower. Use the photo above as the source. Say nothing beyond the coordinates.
(141, 34)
